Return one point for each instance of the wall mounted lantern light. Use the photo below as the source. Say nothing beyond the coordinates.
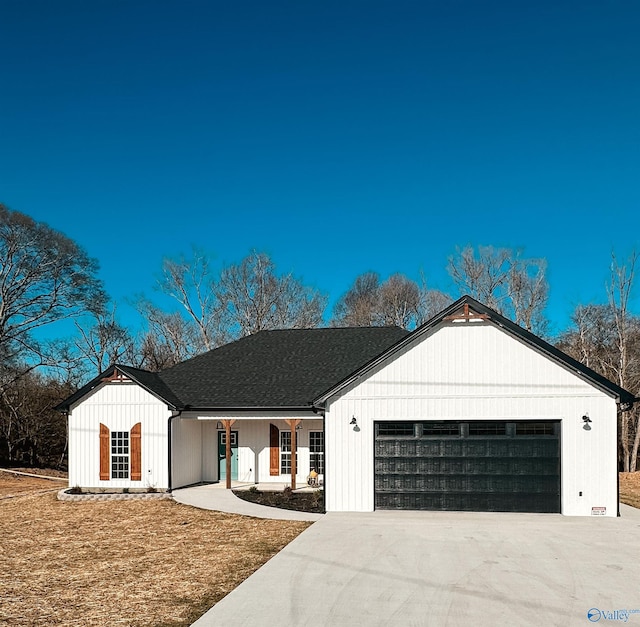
(219, 425)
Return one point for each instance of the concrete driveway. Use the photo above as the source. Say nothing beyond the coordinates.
(436, 568)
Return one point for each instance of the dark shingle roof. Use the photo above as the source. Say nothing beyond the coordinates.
(285, 368)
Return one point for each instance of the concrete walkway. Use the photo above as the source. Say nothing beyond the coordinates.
(445, 568)
(217, 497)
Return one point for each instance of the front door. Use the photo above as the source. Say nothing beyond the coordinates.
(222, 455)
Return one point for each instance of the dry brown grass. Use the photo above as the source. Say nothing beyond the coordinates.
(12, 485)
(124, 562)
(134, 563)
(630, 488)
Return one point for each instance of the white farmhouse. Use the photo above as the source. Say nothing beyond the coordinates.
(467, 412)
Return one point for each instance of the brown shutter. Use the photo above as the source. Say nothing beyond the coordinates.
(274, 443)
(136, 452)
(104, 453)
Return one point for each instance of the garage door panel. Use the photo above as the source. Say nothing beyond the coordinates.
(530, 502)
(498, 472)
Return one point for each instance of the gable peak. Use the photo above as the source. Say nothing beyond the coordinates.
(466, 313)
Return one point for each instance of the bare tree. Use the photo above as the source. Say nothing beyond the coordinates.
(432, 301)
(168, 340)
(503, 280)
(483, 276)
(358, 306)
(527, 289)
(619, 292)
(30, 430)
(590, 340)
(256, 298)
(105, 342)
(607, 339)
(398, 301)
(44, 277)
(190, 282)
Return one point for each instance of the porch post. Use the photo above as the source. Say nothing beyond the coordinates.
(227, 427)
(294, 447)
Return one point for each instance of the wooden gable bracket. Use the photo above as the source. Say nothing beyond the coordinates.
(116, 376)
(467, 315)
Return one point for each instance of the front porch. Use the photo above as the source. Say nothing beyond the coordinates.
(268, 451)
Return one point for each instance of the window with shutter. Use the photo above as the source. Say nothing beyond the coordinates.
(121, 453)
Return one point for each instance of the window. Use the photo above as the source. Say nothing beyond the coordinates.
(316, 451)
(487, 428)
(535, 428)
(440, 428)
(285, 453)
(119, 454)
(234, 438)
(396, 428)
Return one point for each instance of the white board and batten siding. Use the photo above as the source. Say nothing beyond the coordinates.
(119, 406)
(470, 372)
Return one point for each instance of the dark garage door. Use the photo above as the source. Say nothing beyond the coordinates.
(468, 466)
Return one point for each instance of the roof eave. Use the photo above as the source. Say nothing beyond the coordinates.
(250, 408)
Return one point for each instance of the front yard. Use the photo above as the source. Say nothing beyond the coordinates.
(134, 563)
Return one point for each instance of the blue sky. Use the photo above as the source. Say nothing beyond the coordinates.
(339, 137)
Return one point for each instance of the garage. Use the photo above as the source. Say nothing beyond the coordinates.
(471, 412)
(493, 466)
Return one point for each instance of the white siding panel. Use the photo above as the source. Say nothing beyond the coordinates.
(473, 372)
(209, 452)
(186, 452)
(118, 406)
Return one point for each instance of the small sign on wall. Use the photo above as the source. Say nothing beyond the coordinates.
(598, 511)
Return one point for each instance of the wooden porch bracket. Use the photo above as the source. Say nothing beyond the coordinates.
(293, 423)
(227, 424)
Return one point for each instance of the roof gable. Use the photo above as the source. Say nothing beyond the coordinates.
(467, 310)
(121, 374)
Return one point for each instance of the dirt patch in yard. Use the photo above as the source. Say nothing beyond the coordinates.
(128, 563)
(630, 488)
